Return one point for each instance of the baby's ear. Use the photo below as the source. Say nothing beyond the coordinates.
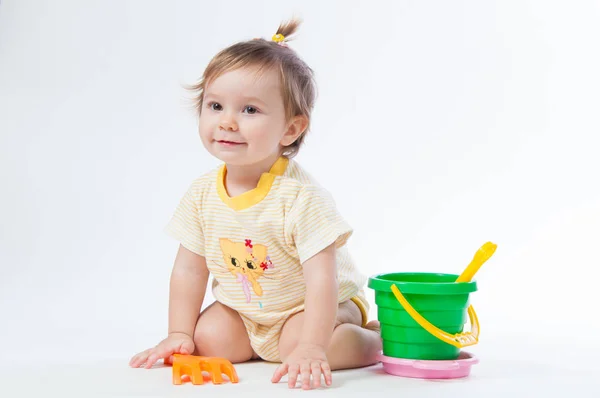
(296, 127)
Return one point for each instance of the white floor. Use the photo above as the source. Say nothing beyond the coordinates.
(524, 371)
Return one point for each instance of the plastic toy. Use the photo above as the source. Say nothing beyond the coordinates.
(410, 304)
(482, 255)
(461, 367)
(459, 340)
(193, 366)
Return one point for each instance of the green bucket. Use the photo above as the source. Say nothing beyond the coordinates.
(425, 318)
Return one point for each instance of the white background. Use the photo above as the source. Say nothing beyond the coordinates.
(439, 126)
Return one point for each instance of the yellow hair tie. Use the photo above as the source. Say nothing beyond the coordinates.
(278, 38)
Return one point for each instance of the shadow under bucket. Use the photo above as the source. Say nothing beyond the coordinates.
(425, 319)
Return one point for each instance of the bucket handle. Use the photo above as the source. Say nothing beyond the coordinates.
(459, 340)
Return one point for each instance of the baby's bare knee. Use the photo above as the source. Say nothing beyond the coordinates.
(221, 333)
(209, 340)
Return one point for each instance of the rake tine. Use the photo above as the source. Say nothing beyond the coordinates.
(196, 376)
(176, 374)
(215, 372)
(230, 372)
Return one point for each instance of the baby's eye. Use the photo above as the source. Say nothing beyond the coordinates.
(215, 106)
(250, 110)
(250, 265)
(234, 262)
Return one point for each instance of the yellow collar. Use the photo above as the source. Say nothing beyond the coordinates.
(253, 196)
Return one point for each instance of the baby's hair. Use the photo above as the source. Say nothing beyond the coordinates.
(297, 78)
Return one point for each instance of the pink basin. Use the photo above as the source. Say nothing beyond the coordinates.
(452, 369)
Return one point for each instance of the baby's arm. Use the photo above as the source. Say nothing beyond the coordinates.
(189, 279)
(320, 312)
(321, 301)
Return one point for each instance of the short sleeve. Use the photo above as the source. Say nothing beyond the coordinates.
(185, 224)
(314, 223)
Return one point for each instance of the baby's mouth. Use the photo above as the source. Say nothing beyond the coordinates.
(229, 143)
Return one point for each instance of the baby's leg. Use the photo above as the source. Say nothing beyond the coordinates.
(220, 332)
(351, 346)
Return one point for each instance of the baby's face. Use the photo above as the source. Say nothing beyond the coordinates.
(242, 120)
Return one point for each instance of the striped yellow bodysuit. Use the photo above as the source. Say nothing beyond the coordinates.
(255, 245)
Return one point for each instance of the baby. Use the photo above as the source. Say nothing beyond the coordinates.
(286, 288)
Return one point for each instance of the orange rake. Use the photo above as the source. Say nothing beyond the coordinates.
(193, 366)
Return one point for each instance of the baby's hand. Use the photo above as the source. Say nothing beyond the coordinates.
(306, 360)
(175, 343)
